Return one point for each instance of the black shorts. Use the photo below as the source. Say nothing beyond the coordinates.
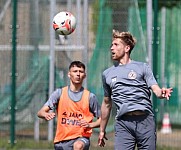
(68, 144)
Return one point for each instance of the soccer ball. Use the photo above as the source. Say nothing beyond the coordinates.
(64, 23)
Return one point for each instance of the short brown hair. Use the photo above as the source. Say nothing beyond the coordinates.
(77, 64)
(126, 37)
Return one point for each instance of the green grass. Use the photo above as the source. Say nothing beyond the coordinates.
(43, 144)
(25, 144)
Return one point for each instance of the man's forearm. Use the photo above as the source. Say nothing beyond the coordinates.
(105, 114)
(95, 124)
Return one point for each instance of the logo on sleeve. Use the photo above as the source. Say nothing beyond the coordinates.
(132, 75)
(113, 79)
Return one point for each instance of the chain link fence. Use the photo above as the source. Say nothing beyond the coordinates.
(90, 43)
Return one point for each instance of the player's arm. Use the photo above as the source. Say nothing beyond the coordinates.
(105, 111)
(151, 81)
(94, 108)
(105, 114)
(106, 104)
(94, 124)
(45, 113)
(162, 92)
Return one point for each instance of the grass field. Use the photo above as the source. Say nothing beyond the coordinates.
(164, 142)
(44, 145)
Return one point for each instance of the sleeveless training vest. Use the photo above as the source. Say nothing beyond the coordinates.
(69, 114)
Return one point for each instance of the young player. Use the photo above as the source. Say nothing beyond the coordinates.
(76, 107)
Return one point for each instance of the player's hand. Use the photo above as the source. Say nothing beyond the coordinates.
(102, 136)
(166, 92)
(49, 116)
(84, 124)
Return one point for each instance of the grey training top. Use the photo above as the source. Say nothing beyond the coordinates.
(54, 98)
(129, 86)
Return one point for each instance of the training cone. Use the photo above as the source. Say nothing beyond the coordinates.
(166, 126)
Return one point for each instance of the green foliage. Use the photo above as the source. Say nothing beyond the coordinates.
(26, 144)
(162, 3)
(169, 3)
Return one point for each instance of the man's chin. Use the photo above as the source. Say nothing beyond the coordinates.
(78, 82)
(114, 58)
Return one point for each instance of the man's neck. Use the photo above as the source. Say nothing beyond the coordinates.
(124, 61)
(75, 88)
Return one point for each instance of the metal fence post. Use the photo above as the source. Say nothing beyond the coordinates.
(155, 53)
(13, 100)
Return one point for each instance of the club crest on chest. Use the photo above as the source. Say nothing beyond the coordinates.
(132, 75)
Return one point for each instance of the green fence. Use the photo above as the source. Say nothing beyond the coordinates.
(33, 55)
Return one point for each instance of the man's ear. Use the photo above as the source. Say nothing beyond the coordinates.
(85, 75)
(69, 74)
(127, 48)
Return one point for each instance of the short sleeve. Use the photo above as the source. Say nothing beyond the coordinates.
(148, 76)
(106, 87)
(94, 105)
(53, 100)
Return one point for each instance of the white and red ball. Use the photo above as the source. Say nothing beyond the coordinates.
(64, 23)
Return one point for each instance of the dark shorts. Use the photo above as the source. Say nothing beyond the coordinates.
(135, 130)
(68, 144)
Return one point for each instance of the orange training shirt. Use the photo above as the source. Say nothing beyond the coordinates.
(69, 115)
